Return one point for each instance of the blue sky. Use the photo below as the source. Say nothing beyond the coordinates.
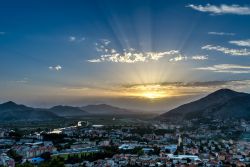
(141, 52)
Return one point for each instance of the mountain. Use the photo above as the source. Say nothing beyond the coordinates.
(68, 111)
(11, 111)
(104, 109)
(221, 104)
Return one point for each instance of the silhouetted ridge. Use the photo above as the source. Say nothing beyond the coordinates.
(221, 104)
(11, 111)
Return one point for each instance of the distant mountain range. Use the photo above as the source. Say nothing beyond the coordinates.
(11, 111)
(221, 104)
(68, 111)
(105, 109)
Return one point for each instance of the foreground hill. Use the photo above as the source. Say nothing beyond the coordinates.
(221, 104)
(11, 111)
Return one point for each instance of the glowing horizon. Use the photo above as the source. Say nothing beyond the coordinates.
(129, 53)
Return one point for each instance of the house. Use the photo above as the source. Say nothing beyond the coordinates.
(36, 160)
(169, 148)
(6, 160)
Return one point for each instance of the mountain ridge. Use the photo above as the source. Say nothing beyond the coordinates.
(105, 109)
(11, 111)
(221, 104)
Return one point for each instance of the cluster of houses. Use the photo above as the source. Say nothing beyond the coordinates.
(30, 150)
(188, 143)
(5, 160)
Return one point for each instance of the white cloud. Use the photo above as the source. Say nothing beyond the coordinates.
(72, 39)
(241, 42)
(103, 46)
(227, 68)
(129, 56)
(94, 61)
(23, 80)
(184, 58)
(106, 42)
(200, 57)
(56, 68)
(234, 52)
(221, 33)
(178, 58)
(76, 39)
(222, 9)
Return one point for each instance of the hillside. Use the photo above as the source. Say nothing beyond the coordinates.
(68, 111)
(11, 111)
(104, 109)
(221, 104)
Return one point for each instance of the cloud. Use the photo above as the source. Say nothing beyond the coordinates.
(158, 90)
(2, 33)
(56, 68)
(234, 52)
(72, 39)
(95, 61)
(182, 84)
(76, 39)
(103, 45)
(171, 89)
(245, 43)
(22, 81)
(222, 9)
(199, 57)
(184, 58)
(106, 42)
(221, 33)
(227, 68)
(132, 56)
(178, 58)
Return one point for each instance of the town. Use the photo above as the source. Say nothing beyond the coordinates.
(153, 144)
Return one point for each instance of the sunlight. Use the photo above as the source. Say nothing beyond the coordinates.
(151, 91)
(153, 95)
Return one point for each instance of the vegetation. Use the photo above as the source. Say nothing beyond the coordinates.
(12, 153)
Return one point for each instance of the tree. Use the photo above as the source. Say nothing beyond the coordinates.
(46, 156)
(12, 153)
(157, 150)
(26, 164)
(57, 162)
(17, 134)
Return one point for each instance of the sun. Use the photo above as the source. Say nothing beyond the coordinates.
(153, 95)
(148, 91)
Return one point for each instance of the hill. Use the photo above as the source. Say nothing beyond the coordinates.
(221, 104)
(11, 111)
(104, 109)
(68, 111)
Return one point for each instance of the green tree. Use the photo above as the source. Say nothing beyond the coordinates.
(57, 162)
(12, 153)
(26, 164)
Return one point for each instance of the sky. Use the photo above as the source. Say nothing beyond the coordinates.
(139, 54)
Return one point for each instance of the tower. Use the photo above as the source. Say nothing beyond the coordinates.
(179, 140)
